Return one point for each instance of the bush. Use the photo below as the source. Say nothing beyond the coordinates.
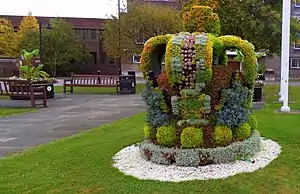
(252, 122)
(202, 19)
(234, 112)
(149, 132)
(220, 80)
(166, 135)
(163, 82)
(222, 135)
(191, 137)
(242, 132)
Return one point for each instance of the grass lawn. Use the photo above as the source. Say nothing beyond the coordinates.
(14, 111)
(83, 163)
(93, 90)
(4, 112)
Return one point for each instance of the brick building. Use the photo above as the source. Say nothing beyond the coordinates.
(87, 30)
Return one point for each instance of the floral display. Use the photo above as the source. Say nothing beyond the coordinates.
(197, 102)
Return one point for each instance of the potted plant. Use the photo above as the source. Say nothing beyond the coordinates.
(35, 73)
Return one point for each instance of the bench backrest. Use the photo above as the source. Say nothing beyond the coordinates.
(16, 87)
(95, 79)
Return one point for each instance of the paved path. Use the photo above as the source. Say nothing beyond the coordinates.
(65, 116)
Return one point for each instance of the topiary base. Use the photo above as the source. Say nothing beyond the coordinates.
(130, 162)
(199, 157)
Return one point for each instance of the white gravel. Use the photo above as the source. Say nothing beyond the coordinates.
(130, 162)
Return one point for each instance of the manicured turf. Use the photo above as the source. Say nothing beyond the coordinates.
(83, 163)
(14, 111)
(93, 90)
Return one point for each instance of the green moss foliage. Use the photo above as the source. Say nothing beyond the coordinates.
(242, 132)
(222, 135)
(166, 136)
(202, 19)
(147, 53)
(252, 122)
(250, 59)
(191, 137)
(149, 132)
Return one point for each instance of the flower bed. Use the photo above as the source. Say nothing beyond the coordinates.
(197, 157)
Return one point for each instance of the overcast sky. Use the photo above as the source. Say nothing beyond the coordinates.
(62, 8)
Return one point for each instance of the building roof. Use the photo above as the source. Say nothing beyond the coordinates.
(88, 23)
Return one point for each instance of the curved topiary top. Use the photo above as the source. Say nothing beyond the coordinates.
(201, 19)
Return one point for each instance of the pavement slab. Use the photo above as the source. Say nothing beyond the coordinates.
(65, 115)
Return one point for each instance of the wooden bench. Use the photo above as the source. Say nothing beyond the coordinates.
(91, 81)
(23, 88)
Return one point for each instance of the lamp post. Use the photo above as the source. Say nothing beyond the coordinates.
(41, 40)
(119, 41)
(285, 55)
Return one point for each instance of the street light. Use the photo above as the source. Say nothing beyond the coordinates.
(41, 40)
(285, 55)
(119, 36)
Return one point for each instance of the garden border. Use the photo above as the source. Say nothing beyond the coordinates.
(199, 157)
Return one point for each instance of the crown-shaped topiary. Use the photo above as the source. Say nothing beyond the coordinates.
(196, 101)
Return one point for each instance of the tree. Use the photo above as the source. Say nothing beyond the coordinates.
(28, 23)
(8, 39)
(61, 45)
(257, 21)
(142, 22)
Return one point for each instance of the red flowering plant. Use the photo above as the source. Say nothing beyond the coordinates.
(163, 82)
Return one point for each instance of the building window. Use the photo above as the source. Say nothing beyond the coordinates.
(86, 34)
(295, 63)
(297, 3)
(93, 34)
(136, 59)
(78, 33)
(111, 60)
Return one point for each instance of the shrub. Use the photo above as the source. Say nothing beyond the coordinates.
(149, 132)
(166, 135)
(252, 122)
(242, 132)
(220, 80)
(153, 99)
(233, 112)
(191, 137)
(156, 118)
(196, 157)
(222, 135)
(202, 19)
(163, 82)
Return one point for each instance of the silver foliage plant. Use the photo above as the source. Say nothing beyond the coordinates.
(196, 157)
